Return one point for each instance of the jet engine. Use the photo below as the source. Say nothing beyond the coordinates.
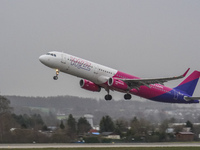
(88, 85)
(118, 84)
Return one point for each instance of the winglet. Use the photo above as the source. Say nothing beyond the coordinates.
(186, 72)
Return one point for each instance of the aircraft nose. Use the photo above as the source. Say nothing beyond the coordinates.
(42, 58)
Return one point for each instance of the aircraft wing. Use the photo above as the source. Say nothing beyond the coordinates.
(136, 83)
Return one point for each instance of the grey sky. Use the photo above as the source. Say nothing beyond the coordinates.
(146, 38)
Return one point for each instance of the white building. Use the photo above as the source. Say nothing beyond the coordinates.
(89, 119)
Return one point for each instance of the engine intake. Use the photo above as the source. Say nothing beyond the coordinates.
(88, 85)
(118, 84)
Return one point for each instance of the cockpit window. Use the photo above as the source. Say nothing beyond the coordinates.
(54, 55)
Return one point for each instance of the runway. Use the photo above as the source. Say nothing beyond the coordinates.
(63, 145)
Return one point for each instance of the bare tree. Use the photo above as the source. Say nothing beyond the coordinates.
(5, 117)
(4, 105)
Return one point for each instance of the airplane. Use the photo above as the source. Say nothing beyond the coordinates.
(95, 77)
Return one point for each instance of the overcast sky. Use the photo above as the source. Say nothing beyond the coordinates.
(146, 38)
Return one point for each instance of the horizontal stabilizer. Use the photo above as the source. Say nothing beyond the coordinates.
(191, 98)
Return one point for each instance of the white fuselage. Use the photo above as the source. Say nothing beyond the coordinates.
(79, 67)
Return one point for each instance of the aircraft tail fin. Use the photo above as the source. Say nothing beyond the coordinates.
(189, 84)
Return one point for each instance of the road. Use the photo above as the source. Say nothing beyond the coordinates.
(61, 145)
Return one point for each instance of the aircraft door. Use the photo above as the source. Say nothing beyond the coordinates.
(64, 63)
(175, 95)
(63, 58)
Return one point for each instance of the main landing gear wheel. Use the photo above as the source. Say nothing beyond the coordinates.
(108, 97)
(56, 76)
(127, 96)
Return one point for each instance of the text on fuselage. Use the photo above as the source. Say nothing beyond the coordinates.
(80, 63)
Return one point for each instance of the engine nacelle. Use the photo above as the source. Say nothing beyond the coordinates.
(88, 85)
(118, 84)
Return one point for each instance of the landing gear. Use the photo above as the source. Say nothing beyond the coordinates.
(127, 96)
(56, 76)
(108, 97)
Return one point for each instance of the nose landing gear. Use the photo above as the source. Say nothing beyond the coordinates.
(56, 76)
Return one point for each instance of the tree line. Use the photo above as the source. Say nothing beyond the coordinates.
(25, 128)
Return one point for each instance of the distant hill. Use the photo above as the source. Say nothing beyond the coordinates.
(77, 106)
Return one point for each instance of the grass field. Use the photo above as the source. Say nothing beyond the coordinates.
(114, 148)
